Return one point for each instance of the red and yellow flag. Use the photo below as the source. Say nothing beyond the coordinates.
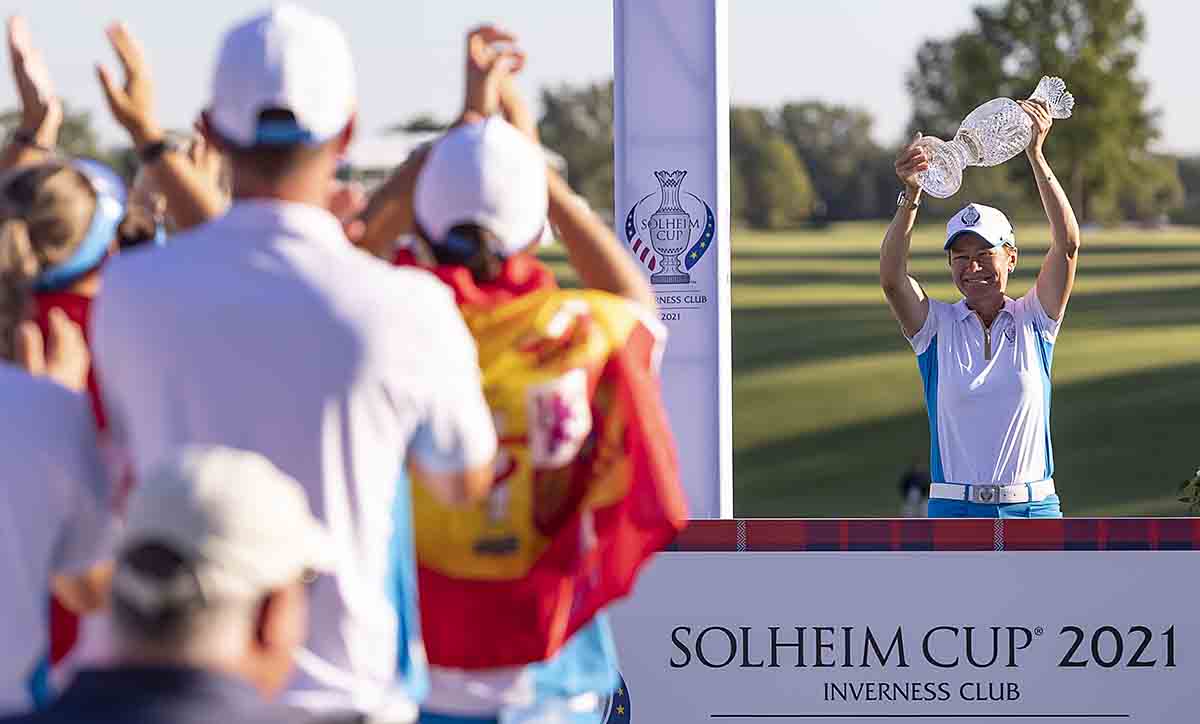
(587, 484)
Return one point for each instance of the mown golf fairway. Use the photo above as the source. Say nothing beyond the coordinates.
(828, 410)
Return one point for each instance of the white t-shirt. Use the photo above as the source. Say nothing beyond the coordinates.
(55, 518)
(266, 330)
(989, 417)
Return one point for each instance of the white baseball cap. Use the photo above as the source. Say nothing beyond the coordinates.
(287, 59)
(485, 173)
(986, 222)
(241, 526)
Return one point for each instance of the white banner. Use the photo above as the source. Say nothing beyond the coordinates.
(671, 126)
(1048, 636)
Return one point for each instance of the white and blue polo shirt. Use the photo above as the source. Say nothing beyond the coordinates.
(988, 392)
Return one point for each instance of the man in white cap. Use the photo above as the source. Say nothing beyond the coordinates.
(208, 596)
(985, 361)
(267, 330)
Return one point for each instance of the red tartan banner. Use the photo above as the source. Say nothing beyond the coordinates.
(927, 534)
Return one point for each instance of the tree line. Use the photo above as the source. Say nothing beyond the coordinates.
(814, 162)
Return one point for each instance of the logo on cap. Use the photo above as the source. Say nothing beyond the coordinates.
(970, 216)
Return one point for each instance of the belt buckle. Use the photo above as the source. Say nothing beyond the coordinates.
(986, 493)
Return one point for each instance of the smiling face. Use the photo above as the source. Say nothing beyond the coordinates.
(980, 270)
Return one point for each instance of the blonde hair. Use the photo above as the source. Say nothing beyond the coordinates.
(45, 211)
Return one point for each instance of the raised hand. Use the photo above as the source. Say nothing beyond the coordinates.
(347, 201)
(492, 56)
(62, 357)
(131, 103)
(41, 110)
(910, 162)
(1039, 113)
(516, 111)
(207, 158)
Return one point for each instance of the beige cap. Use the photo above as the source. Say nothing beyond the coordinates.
(243, 526)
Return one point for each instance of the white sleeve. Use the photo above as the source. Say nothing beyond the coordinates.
(90, 526)
(456, 432)
(920, 341)
(1031, 306)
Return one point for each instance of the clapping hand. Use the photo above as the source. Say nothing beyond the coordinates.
(41, 110)
(131, 103)
(492, 56)
(62, 356)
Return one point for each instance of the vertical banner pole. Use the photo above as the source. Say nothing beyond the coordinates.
(671, 171)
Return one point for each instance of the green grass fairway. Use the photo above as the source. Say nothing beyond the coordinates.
(828, 409)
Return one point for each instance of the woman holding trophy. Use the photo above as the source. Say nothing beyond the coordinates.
(985, 360)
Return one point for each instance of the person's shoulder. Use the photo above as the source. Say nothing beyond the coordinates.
(407, 306)
(619, 314)
(30, 718)
(943, 312)
(37, 392)
(410, 286)
(141, 267)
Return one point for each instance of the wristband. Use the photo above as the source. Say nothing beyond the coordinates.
(26, 137)
(153, 151)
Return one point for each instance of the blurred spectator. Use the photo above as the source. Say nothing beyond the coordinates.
(204, 157)
(54, 493)
(208, 597)
(496, 579)
(267, 330)
(74, 217)
(914, 490)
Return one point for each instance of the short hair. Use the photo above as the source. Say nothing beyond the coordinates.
(45, 212)
(271, 162)
(179, 622)
(473, 247)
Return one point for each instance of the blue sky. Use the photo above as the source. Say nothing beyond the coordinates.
(409, 52)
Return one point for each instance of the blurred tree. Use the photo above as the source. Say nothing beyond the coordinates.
(1189, 175)
(421, 123)
(76, 137)
(577, 123)
(773, 189)
(1101, 152)
(1154, 190)
(851, 174)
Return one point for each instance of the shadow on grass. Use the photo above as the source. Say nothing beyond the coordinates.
(795, 251)
(1121, 443)
(789, 335)
(785, 278)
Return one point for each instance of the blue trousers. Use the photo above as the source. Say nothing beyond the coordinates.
(1048, 507)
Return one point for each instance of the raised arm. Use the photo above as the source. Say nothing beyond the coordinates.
(592, 249)
(905, 296)
(192, 195)
(1057, 275)
(41, 112)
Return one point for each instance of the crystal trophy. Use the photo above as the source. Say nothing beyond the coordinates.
(670, 229)
(989, 135)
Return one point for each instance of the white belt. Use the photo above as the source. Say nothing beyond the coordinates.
(993, 494)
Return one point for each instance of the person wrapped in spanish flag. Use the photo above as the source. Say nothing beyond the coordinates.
(586, 486)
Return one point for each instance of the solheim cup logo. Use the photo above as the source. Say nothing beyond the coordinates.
(669, 231)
